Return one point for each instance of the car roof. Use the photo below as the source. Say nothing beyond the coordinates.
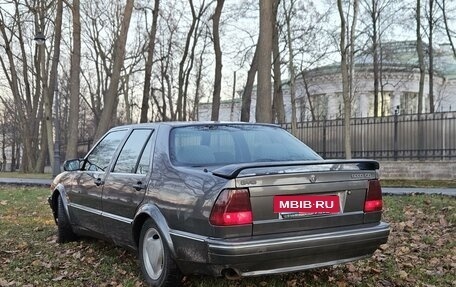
(189, 123)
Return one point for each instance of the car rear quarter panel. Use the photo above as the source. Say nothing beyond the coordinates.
(184, 196)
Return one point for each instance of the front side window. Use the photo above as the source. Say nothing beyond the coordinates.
(101, 155)
(127, 162)
(228, 144)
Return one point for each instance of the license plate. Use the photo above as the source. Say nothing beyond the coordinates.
(289, 206)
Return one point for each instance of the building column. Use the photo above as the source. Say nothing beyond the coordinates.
(363, 105)
(395, 101)
(332, 107)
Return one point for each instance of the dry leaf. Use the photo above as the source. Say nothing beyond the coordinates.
(59, 278)
(403, 274)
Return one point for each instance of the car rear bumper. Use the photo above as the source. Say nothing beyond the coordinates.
(281, 253)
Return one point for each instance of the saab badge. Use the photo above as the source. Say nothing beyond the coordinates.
(313, 178)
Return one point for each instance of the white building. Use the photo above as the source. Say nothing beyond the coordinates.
(399, 84)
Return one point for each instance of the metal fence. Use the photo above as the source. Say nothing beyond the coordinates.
(397, 137)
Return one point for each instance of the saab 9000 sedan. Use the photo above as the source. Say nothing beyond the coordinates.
(223, 199)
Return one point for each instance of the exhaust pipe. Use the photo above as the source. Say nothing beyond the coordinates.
(231, 274)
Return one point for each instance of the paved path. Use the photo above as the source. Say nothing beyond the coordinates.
(418, 190)
(25, 181)
(386, 190)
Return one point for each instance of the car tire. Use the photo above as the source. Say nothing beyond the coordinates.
(157, 266)
(64, 230)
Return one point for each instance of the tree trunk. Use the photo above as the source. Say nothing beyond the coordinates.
(431, 55)
(348, 102)
(148, 66)
(53, 83)
(420, 51)
(247, 92)
(233, 96)
(182, 72)
(263, 113)
(119, 53)
(278, 107)
(291, 71)
(125, 91)
(199, 78)
(344, 50)
(218, 61)
(75, 82)
(374, 38)
(306, 87)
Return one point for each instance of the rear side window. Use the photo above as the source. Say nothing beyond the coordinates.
(227, 144)
(132, 151)
(101, 155)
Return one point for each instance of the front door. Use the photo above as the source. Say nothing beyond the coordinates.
(84, 197)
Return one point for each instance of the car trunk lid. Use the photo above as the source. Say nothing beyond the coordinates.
(345, 182)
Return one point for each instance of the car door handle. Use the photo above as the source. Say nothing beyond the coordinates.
(139, 185)
(98, 182)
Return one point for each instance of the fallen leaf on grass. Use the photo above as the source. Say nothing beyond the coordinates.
(443, 222)
(292, 283)
(77, 255)
(403, 274)
(58, 278)
(375, 270)
(351, 267)
(384, 247)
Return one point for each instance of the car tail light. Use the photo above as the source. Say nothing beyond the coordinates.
(232, 207)
(374, 200)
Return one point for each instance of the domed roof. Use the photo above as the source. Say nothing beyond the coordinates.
(403, 54)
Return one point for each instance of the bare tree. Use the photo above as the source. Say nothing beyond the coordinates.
(450, 34)
(148, 65)
(431, 27)
(381, 17)
(111, 96)
(264, 107)
(374, 10)
(347, 55)
(420, 51)
(291, 64)
(278, 107)
(75, 82)
(186, 62)
(26, 89)
(163, 95)
(199, 79)
(53, 84)
(101, 27)
(218, 60)
(247, 92)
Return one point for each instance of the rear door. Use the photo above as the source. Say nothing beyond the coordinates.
(349, 191)
(126, 185)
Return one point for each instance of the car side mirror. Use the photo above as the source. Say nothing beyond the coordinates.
(72, 164)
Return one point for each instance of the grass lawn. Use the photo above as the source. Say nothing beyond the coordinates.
(421, 250)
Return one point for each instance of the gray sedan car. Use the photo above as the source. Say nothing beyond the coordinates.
(223, 199)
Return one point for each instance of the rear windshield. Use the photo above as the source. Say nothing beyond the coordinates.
(228, 144)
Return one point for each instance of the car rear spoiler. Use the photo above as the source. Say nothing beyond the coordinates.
(233, 170)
